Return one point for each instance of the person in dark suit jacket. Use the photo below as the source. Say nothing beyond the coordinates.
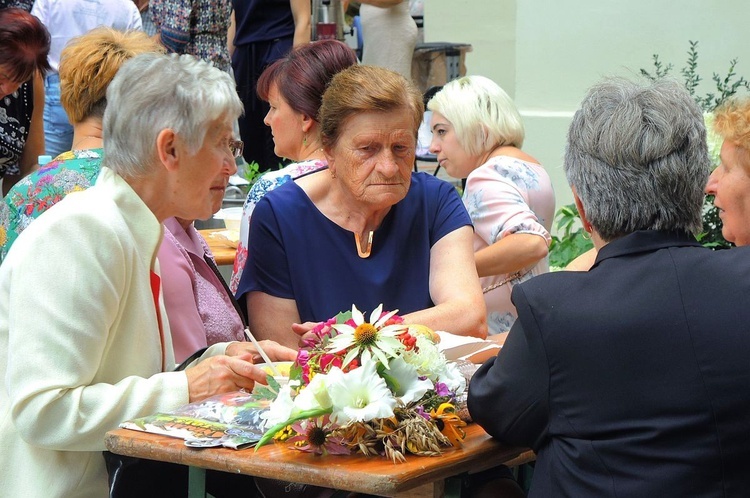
(631, 379)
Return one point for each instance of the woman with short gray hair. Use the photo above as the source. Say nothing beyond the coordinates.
(96, 349)
(636, 159)
(197, 96)
(631, 379)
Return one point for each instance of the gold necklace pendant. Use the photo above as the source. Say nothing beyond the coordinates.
(364, 253)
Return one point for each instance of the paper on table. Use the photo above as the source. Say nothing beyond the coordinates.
(458, 347)
(229, 237)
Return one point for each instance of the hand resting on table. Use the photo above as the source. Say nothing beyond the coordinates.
(233, 371)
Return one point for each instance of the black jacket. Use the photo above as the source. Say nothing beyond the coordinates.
(632, 379)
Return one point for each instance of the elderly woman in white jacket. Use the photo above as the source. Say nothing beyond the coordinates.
(84, 338)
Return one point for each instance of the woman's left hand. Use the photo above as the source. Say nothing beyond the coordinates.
(304, 331)
(274, 350)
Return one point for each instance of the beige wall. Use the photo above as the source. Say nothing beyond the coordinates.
(546, 53)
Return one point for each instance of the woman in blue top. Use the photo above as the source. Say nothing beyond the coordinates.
(366, 231)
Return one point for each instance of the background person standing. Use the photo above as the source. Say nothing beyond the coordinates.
(24, 45)
(390, 35)
(195, 27)
(265, 30)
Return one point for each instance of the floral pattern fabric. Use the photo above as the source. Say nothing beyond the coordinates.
(266, 183)
(21, 4)
(15, 120)
(195, 27)
(505, 196)
(70, 172)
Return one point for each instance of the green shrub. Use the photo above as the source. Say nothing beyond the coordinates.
(570, 243)
(571, 240)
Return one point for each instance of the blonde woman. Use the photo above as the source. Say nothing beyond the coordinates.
(477, 135)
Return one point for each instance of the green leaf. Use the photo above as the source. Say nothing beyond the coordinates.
(393, 384)
(270, 392)
(344, 316)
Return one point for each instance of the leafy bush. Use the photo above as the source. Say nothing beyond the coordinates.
(725, 87)
(251, 171)
(570, 243)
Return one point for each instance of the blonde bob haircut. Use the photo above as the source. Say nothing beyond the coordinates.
(483, 116)
(89, 62)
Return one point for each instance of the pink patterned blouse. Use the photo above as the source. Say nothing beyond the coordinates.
(504, 196)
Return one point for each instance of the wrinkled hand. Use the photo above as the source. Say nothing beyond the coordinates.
(274, 350)
(222, 374)
(303, 330)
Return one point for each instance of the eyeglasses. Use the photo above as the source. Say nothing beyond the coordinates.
(236, 147)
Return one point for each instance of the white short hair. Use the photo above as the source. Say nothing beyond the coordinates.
(153, 92)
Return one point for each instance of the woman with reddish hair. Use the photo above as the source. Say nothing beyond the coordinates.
(24, 45)
(294, 87)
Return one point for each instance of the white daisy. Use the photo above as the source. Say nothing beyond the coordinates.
(368, 339)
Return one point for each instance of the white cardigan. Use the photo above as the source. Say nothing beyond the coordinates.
(80, 350)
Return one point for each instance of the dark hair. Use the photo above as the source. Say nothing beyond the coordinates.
(24, 44)
(304, 73)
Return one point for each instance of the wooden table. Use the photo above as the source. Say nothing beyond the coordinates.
(223, 252)
(422, 476)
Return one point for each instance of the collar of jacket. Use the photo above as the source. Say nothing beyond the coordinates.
(645, 241)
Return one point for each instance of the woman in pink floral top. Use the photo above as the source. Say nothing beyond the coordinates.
(294, 87)
(477, 135)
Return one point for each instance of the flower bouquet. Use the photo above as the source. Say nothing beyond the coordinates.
(377, 387)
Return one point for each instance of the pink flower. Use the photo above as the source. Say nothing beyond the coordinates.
(303, 356)
(315, 436)
(422, 412)
(442, 390)
(328, 360)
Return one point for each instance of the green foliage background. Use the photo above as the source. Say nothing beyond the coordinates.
(570, 241)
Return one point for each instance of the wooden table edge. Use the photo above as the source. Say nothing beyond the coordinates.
(224, 253)
(278, 462)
